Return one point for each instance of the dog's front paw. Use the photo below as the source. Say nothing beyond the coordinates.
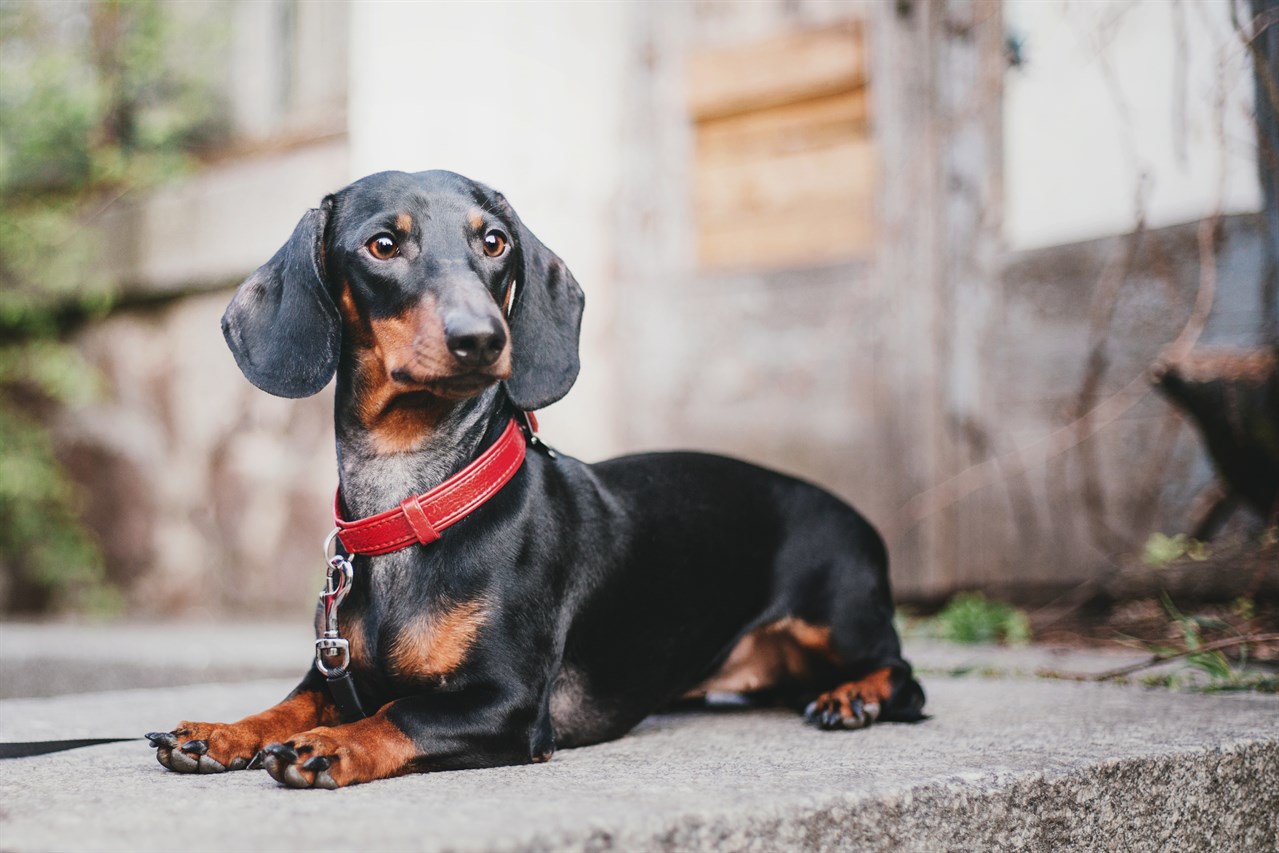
(308, 760)
(206, 747)
(333, 757)
(854, 705)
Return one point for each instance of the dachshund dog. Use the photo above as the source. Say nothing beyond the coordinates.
(565, 602)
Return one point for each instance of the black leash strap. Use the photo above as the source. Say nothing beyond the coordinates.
(342, 689)
(25, 749)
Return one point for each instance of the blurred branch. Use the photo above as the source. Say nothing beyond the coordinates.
(1110, 409)
(1258, 27)
(1157, 659)
(1101, 317)
(1092, 417)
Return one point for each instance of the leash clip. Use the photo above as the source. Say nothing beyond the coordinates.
(337, 584)
(528, 423)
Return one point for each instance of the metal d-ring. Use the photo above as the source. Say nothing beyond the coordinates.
(328, 543)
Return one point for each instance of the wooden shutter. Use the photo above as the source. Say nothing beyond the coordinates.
(784, 165)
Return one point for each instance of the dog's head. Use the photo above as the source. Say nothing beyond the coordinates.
(432, 282)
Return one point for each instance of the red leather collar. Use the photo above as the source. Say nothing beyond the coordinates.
(420, 518)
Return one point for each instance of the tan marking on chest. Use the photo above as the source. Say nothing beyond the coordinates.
(352, 629)
(435, 644)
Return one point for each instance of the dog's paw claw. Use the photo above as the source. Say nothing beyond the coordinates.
(203, 747)
(842, 708)
(318, 763)
(281, 752)
(159, 739)
(281, 762)
(311, 759)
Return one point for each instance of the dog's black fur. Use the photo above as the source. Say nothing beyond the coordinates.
(579, 599)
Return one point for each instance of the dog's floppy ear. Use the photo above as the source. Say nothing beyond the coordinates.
(282, 325)
(546, 323)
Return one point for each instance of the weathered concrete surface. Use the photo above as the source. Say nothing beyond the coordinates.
(1012, 764)
(51, 659)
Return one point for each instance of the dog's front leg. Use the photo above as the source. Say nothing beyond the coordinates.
(217, 747)
(414, 734)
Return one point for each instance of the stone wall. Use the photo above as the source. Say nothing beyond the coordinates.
(207, 495)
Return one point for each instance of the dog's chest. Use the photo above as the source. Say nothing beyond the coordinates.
(435, 643)
(428, 645)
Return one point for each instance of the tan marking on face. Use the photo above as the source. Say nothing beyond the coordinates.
(404, 223)
(354, 327)
(412, 341)
(396, 419)
(475, 220)
(780, 652)
(435, 644)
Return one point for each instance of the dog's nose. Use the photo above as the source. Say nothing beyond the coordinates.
(475, 341)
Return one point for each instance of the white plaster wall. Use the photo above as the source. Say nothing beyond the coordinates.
(526, 97)
(1101, 112)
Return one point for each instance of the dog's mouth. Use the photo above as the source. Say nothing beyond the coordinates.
(423, 391)
(461, 387)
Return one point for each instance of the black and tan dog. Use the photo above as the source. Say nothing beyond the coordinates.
(577, 599)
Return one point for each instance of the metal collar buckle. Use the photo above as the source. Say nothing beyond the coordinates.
(332, 652)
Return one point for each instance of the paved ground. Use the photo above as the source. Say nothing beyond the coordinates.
(1014, 763)
(50, 659)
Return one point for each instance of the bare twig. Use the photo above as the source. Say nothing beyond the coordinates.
(1155, 660)
(1089, 421)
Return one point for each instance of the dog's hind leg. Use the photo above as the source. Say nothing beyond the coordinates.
(836, 577)
(874, 681)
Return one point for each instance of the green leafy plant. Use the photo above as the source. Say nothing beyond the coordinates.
(972, 618)
(97, 103)
(1161, 550)
(1208, 668)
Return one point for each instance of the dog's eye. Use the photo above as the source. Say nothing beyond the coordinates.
(494, 243)
(383, 247)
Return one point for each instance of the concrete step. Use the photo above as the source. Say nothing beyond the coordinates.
(56, 658)
(1018, 764)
